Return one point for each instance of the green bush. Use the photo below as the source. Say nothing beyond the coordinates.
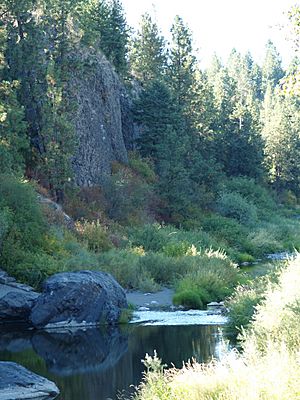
(123, 265)
(233, 205)
(5, 223)
(242, 305)
(95, 236)
(163, 269)
(127, 197)
(151, 237)
(188, 298)
(252, 192)
(142, 167)
(28, 226)
(176, 249)
(210, 278)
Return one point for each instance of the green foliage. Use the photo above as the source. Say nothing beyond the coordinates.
(28, 226)
(105, 27)
(142, 167)
(127, 197)
(13, 140)
(189, 298)
(242, 305)
(95, 235)
(233, 205)
(147, 55)
(150, 237)
(122, 264)
(211, 279)
(253, 192)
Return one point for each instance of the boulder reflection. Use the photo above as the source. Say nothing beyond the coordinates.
(82, 351)
(96, 364)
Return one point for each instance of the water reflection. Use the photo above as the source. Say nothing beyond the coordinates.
(96, 364)
(79, 352)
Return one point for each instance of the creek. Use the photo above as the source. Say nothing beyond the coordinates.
(102, 364)
(98, 364)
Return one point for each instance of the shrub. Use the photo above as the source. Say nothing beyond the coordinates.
(189, 299)
(5, 223)
(127, 197)
(176, 249)
(163, 269)
(142, 166)
(94, 235)
(35, 268)
(152, 237)
(251, 191)
(28, 225)
(242, 305)
(233, 205)
(209, 278)
(229, 232)
(123, 265)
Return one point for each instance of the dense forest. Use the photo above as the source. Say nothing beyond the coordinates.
(209, 171)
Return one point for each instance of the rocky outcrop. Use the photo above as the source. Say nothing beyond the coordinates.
(102, 118)
(16, 300)
(78, 298)
(17, 383)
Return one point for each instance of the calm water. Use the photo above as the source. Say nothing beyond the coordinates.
(97, 364)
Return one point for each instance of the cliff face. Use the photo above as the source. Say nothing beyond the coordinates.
(102, 119)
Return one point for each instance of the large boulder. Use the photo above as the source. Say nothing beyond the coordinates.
(16, 300)
(17, 383)
(79, 298)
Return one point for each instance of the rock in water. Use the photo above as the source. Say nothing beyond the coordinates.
(16, 306)
(17, 383)
(79, 298)
(16, 300)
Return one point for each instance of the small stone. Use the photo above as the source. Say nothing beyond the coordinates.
(143, 309)
(213, 304)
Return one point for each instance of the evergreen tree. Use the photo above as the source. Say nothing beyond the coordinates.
(182, 66)
(13, 140)
(236, 123)
(282, 136)
(147, 55)
(105, 26)
(272, 71)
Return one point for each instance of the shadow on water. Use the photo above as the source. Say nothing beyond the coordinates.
(96, 364)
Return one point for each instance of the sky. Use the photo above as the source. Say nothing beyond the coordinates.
(220, 25)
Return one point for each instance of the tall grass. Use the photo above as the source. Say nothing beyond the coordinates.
(267, 369)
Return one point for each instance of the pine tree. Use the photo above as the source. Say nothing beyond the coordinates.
(147, 55)
(281, 131)
(182, 65)
(104, 25)
(236, 124)
(13, 139)
(272, 71)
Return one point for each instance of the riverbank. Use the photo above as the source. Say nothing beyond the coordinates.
(268, 368)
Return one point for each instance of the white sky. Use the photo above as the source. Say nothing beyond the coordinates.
(220, 25)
